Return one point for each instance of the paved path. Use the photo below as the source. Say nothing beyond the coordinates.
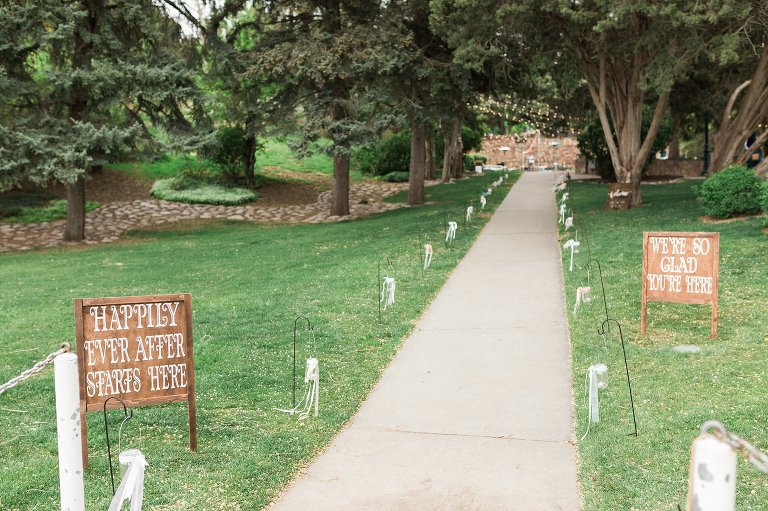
(107, 223)
(475, 412)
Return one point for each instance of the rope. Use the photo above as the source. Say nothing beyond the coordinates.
(35, 369)
(756, 457)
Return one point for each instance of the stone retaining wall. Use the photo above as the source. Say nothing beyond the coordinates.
(544, 151)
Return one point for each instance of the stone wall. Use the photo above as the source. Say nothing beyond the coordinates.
(545, 151)
(681, 168)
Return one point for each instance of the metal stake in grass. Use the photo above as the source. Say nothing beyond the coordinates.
(378, 282)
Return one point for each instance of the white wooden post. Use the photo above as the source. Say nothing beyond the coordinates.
(71, 483)
(712, 480)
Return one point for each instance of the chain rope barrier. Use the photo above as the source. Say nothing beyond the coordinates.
(751, 453)
(65, 348)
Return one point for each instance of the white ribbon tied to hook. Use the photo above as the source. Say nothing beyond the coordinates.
(569, 222)
(451, 234)
(560, 187)
(312, 380)
(583, 295)
(489, 191)
(388, 292)
(573, 245)
(562, 213)
(564, 198)
(427, 255)
(132, 485)
(482, 202)
(470, 210)
(506, 176)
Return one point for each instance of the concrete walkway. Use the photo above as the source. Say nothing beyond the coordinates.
(475, 412)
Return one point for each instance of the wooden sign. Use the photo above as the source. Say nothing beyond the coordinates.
(619, 196)
(137, 348)
(680, 267)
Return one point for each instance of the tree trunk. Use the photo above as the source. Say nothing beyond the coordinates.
(75, 226)
(445, 131)
(340, 197)
(674, 145)
(456, 145)
(751, 111)
(418, 160)
(429, 148)
(250, 161)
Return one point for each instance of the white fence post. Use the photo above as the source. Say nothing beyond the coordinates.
(71, 483)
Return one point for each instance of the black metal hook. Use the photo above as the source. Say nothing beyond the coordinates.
(312, 333)
(588, 266)
(602, 330)
(378, 282)
(106, 432)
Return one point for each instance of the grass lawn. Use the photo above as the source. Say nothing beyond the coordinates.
(248, 283)
(673, 393)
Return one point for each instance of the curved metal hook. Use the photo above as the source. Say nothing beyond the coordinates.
(588, 266)
(602, 330)
(106, 431)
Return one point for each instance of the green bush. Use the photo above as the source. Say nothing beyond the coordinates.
(733, 191)
(195, 191)
(391, 154)
(396, 177)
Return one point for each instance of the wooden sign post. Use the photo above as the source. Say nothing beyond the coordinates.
(681, 267)
(137, 348)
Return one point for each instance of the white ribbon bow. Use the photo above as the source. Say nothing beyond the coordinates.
(569, 222)
(451, 234)
(564, 198)
(470, 210)
(583, 295)
(482, 202)
(427, 255)
(573, 245)
(562, 213)
(132, 486)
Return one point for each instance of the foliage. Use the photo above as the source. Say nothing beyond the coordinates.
(674, 393)
(193, 190)
(54, 210)
(731, 192)
(391, 154)
(479, 158)
(248, 283)
(471, 138)
(396, 177)
(231, 150)
(591, 143)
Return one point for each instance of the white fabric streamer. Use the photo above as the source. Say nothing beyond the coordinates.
(482, 202)
(564, 198)
(427, 255)
(489, 191)
(451, 234)
(388, 292)
(573, 245)
(583, 295)
(132, 486)
(311, 396)
(506, 176)
(470, 210)
(560, 187)
(562, 213)
(595, 380)
(569, 222)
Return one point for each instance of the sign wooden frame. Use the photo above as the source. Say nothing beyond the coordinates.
(165, 321)
(681, 271)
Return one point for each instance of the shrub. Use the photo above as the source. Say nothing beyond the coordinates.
(194, 191)
(396, 177)
(733, 191)
(391, 154)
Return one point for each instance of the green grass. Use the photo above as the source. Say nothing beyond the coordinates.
(248, 284)
(278, 154)
(163, 168)
(674, 393)
(53, 210)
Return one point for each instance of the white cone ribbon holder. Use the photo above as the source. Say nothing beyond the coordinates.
(596, 380)
(583, 295)
(132, 485)
(427, 255)
(450, 235)
(387, 297)
(712, 476)
(470, 210)
(573, 245)
(482, 202)
(569, 222)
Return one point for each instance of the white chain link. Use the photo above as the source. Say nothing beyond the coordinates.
(34, 369)
(751, 453)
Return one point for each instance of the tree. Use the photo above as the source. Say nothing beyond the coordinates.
(631, 53)
(78, 82)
